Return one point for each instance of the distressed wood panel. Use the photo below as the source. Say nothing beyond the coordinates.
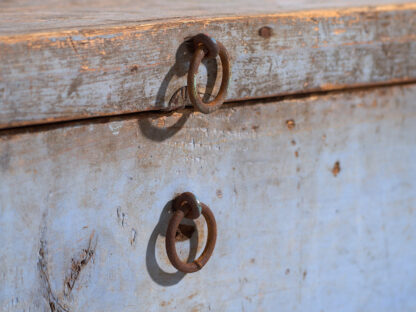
(315, 202)
(71, 74)
(24, 16)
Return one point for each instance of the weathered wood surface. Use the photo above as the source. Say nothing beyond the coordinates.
(315, 203)
(25, 16)
(73, 73)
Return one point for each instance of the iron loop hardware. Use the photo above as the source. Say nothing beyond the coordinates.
(187, 206)
(206, 46)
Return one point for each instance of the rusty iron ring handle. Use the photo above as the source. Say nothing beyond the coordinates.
(187, 206)
(203, 49)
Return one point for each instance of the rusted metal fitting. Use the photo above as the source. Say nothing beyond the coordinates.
(207, 43)
(205, 46)
(187, 205)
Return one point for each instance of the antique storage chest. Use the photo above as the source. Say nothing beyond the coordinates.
(308, 166)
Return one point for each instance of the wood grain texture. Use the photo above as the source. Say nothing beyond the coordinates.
(315, 201)
(24, 16)
(73, 73)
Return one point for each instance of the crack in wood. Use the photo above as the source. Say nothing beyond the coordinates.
(76, 267)
(78, 264)
(54, 304)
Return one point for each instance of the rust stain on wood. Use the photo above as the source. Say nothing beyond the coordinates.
(184, 232)
(290, 124)
(336, 169)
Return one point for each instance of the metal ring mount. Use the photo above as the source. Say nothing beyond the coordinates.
(187, 206)
(208, 43)
(205, 46)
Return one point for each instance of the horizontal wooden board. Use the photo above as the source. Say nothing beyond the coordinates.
(315, 201)
(29, 16)
(74, 73)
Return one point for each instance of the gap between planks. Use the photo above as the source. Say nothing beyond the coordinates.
(56, 124)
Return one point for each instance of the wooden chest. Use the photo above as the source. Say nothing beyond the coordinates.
(309, 166)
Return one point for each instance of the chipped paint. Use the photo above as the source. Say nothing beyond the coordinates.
(115, 127)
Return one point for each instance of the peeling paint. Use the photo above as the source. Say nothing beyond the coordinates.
(115, 127)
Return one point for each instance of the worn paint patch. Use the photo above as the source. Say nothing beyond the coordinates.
(115, 127)
(73, 88)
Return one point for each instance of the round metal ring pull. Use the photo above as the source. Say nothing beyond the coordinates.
(205, 46)
(187, 206)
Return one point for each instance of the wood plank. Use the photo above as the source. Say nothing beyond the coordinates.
(295, 230)
(24, 16)
(69, 74)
